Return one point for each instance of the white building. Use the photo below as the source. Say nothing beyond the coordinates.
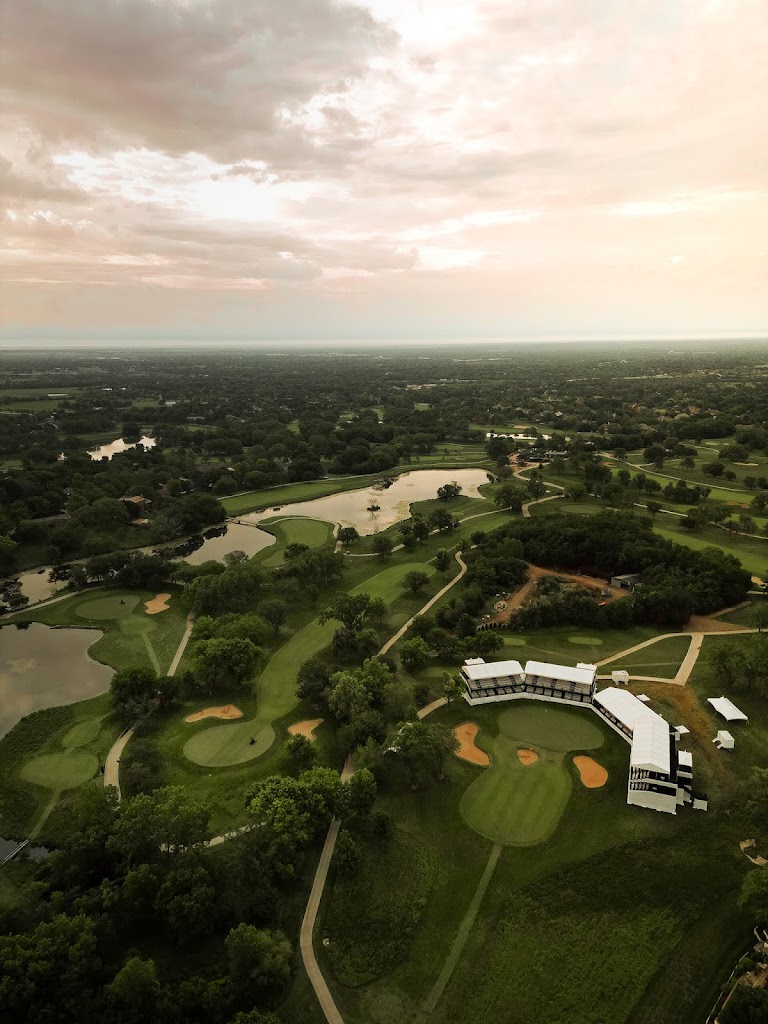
(660, 775)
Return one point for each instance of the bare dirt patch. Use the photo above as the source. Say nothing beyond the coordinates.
(157, 604)
(305, 728)
(593, 775)
(526, 756)
(467, 751)
(535, 573)
(223, 711)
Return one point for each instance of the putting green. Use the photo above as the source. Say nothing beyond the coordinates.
(521, 805)
(82, 733)
(585, 641)
(216, 746)
(230, 744)
(514, 641)
(60, 771)
(114, 607)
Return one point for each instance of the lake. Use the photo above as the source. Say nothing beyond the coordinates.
(106, 451)
(219, 541)
(351, 508)
(42, 667)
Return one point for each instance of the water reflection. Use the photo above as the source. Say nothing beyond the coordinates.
(106, 451)
(42, 667)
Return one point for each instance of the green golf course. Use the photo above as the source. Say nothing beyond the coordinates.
(521, 804)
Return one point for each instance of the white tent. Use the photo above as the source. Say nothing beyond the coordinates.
(724, 740)
(727, 709)
(620, 677)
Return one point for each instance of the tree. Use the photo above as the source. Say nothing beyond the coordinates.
(535, 485)
(378, 610)
(348, 535)
(186, 901)
(347, 853)
(349, 697)
(348, 609)
(442, 562)
(134, 692)
(415, 580)
(223, 663)
(424, 748)
(758, 616)
(747, 1005)
(7, 553)
(50, 971)
(258, 958)
(652, 508)
(382, 546)
(420, 529)
(414, 653)
(753, 896)
(449, 491)
(302, 752)
(360, 795)
(442, 520)
(134, 992)
(163, 823)
(510, 496)
(275, 612)
(312, 681)
(453, 687)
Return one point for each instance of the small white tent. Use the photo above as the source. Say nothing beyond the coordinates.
(724, 740)
(727, 709)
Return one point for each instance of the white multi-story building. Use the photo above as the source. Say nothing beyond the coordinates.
(660, 775)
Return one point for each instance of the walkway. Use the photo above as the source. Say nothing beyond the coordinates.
(306, 942)
(404, 629)
(112, 762)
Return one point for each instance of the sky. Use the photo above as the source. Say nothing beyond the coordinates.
(384, 168)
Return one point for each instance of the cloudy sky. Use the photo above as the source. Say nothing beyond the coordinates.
(384, 168)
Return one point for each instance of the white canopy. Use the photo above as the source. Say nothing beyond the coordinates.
(650, 732)
(583, 673)
(727, 709)
(476, 669)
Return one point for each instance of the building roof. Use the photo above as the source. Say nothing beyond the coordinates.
(650, 732)
(492, 669)
(685, 758)
(724, 736)
(583, 674)
(727, 709)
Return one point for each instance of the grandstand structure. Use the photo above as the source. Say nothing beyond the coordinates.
(660, 773)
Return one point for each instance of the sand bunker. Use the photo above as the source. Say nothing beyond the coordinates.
(467, 751)
(593, 775)
(306, 728)
(527, 756)
(224, 711)
(157, 604)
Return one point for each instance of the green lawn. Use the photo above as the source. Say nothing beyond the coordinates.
(520, 805)
(753, 554)
(661, 659)
(619, 915)
(130, 637)
(48, 752)
(315, 533)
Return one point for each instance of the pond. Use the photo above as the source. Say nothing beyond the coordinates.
(42, 667)
(38, 585)
(220, 540)
(352, 508)
(106, 451)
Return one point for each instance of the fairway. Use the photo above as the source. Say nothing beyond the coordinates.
(113, 607)
(220, 745)
(60, 771)
(82, 733)
(519, 804)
